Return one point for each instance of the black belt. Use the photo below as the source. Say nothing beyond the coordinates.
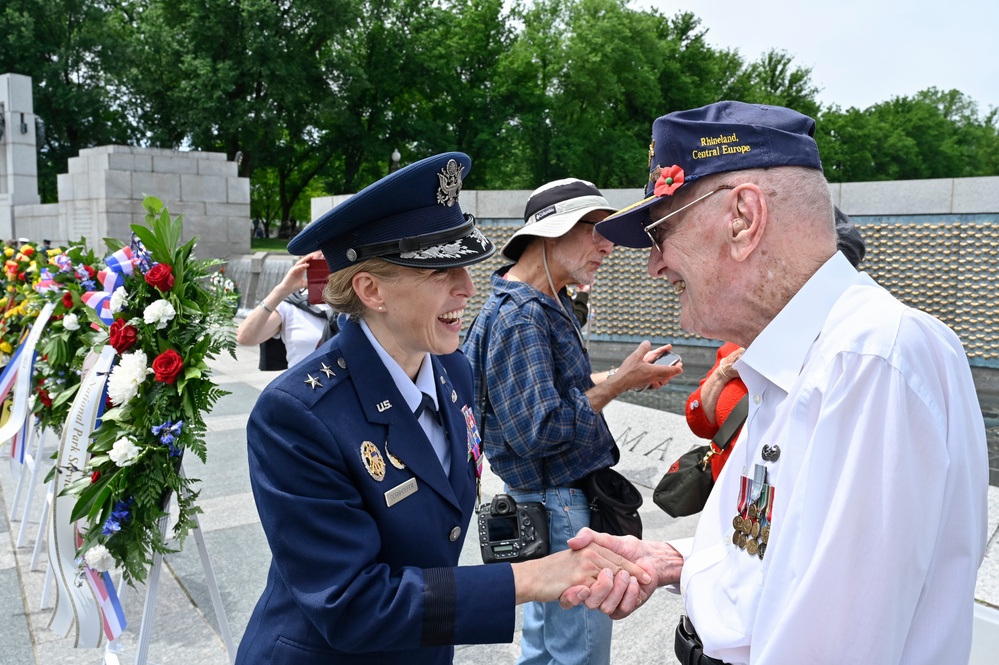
(688, 646)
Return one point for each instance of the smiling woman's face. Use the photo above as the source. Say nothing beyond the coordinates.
(423, 311)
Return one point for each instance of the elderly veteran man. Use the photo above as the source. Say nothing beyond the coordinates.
(364, 457)
(542, 429)
(850, 522)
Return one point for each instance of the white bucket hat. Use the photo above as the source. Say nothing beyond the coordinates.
(553, 209)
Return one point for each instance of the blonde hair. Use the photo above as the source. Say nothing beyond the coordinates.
(339, 291)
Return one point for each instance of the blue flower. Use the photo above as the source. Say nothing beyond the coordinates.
(112, 526)
(168, 432)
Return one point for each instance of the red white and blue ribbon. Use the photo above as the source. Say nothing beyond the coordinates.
(100, 301)
(46, 283)
(119, 266)
(107, 600)
(9, 373)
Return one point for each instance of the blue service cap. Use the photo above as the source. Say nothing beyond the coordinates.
(717, 138)
(410, 218)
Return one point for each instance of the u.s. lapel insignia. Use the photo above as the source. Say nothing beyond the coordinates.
(454, 397)
(327, 370)
(342, 363)
(395, 461)
(383, 406)
(313, 382)
(450, 179)
(373, 460)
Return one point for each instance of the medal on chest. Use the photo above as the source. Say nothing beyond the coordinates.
(751, 523)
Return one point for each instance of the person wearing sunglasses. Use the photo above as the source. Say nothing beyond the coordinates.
(851, 518)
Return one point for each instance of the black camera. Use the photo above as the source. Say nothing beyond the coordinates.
(511, 531)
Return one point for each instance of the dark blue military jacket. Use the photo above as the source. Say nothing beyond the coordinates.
(364, 526)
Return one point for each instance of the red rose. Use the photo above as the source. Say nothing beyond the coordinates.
(67, 300)
(167, 366)
(94, 477)
(43, 397)
(122, 335)
(90, 271)
(160, 277)
(21, 276)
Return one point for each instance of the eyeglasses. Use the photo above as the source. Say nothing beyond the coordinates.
(596, 234)
(658, 233)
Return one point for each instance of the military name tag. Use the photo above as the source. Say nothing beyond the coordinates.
(400, 492)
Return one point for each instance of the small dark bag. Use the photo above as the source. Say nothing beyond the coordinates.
(614, 503)
(685, 488)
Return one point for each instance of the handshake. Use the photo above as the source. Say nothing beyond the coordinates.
(615, 574)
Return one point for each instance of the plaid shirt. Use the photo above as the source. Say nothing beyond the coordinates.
(539, 430)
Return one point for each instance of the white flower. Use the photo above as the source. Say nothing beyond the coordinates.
(124, 452)
(99, 559)
(160, 313)
(118, 299)
(127, 376)
(71, 322)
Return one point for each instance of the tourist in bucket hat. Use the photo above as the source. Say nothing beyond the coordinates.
(364, 458)
(540, 418)
(860, 408)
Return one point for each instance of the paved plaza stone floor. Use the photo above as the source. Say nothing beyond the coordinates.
(186, 631)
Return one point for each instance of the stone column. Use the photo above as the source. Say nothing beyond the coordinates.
(18, 162)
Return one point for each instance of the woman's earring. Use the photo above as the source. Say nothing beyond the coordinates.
(381, 309)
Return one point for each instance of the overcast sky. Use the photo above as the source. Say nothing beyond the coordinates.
(863, 52)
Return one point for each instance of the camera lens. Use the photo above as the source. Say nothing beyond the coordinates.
(502, 505)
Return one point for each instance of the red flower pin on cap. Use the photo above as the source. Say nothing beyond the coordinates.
(669, 180)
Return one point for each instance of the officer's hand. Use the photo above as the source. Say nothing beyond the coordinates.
(546, 579)
(620, 598)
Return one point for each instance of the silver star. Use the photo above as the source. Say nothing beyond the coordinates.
(327, 370)
(313, 382)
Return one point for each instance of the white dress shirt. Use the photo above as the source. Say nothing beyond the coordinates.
(879, 516)
(413, 393)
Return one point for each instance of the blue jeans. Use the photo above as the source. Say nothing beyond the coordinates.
(551, 635)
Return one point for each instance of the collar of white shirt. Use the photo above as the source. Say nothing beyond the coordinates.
(779, 352)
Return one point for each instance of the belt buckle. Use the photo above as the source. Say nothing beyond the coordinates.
(687, 646)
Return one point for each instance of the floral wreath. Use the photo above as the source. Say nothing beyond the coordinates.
(68, 337)
(20, 303)
(160, 313)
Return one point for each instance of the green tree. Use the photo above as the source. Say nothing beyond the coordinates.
(70, 49)
(248, 78)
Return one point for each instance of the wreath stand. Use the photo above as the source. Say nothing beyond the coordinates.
(112, 652)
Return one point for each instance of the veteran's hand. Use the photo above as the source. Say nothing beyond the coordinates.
(621, 597)
(545, 579)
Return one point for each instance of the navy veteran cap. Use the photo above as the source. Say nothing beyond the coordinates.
(410, 218)
(717, 138)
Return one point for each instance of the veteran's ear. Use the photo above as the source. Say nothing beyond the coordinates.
(749, 219)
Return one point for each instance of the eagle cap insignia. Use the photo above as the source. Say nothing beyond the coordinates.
(373, 460)
(450, 183)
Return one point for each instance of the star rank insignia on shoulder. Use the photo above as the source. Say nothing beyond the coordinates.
(313, 382)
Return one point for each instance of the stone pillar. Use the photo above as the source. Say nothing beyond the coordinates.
(102, 194)
(18, 162)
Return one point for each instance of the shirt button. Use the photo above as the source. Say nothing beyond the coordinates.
(756, 398)
(455, 534)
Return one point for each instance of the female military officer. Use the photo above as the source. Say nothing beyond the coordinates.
(364, 457)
